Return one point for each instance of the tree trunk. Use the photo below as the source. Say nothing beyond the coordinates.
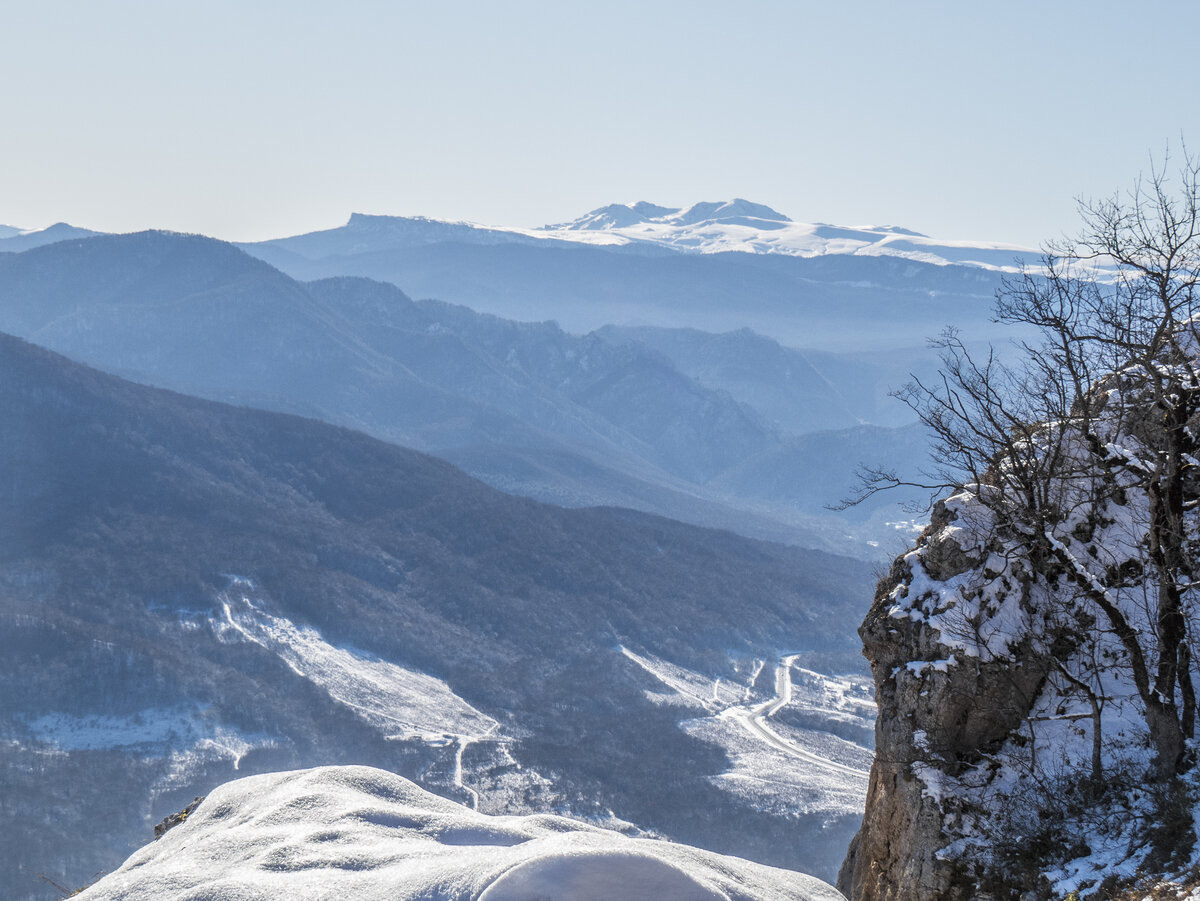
(1187, 692)
(1166, 735)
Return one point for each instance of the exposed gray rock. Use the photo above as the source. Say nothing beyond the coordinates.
(175, 819)
(937, 715)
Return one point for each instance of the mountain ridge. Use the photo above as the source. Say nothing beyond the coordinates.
(736, 225)
(577, 419)
(706, 227)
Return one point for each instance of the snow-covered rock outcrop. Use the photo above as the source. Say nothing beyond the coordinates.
(361, 834)
(944, 708)
(1014, 756)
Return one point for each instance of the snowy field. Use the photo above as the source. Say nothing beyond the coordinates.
(779, 765)
(401, 703)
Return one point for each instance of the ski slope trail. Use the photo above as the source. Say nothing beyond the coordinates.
(755, 720)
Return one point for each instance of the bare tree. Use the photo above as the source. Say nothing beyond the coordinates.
(1100, 413)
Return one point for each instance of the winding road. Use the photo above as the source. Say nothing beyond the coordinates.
(755, 720)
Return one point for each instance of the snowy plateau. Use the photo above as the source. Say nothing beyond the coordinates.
(707, 227)
(740, 225)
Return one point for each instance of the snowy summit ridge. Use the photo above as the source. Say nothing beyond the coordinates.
(720, 226)
(748, 227)
(744, 226)
(620, 215)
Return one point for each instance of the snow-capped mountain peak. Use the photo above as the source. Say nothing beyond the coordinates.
(615, 215)
(626, 215)
(706, 227)
(748, 227)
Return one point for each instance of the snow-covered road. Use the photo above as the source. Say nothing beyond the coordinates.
(731, 700)
(755, 720)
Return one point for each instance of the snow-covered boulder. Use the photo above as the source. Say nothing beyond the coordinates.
(358, 833)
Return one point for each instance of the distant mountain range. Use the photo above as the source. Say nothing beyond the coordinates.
(191, 591)
(836, 301)
(805, 285)
(709, 227)
(649, 419)
(14, 240)
(706, 227)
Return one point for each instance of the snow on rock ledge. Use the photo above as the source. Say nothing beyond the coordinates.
(955, 668)
(360, 834)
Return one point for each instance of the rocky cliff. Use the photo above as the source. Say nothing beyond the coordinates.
(940, 715)
(1016, 756)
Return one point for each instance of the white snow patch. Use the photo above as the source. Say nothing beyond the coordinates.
(921, 667)
(686, 687)
(401, 703)
(151, 732)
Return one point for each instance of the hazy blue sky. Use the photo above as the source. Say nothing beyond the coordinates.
(248, 120)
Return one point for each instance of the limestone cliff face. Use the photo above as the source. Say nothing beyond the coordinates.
(942, 710)
(1035, 662)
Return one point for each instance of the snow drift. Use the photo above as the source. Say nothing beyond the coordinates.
(359, 833)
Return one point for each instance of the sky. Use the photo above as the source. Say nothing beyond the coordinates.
(249, 120)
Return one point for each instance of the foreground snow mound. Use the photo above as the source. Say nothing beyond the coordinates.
(361, 833)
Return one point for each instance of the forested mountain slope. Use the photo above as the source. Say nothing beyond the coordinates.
(190, 591)
(534, 410)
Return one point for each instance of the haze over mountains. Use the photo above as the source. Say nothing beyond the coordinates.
(668, 267)
(644, 264)
(201, 591)
(706, 227)
(668, 422)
